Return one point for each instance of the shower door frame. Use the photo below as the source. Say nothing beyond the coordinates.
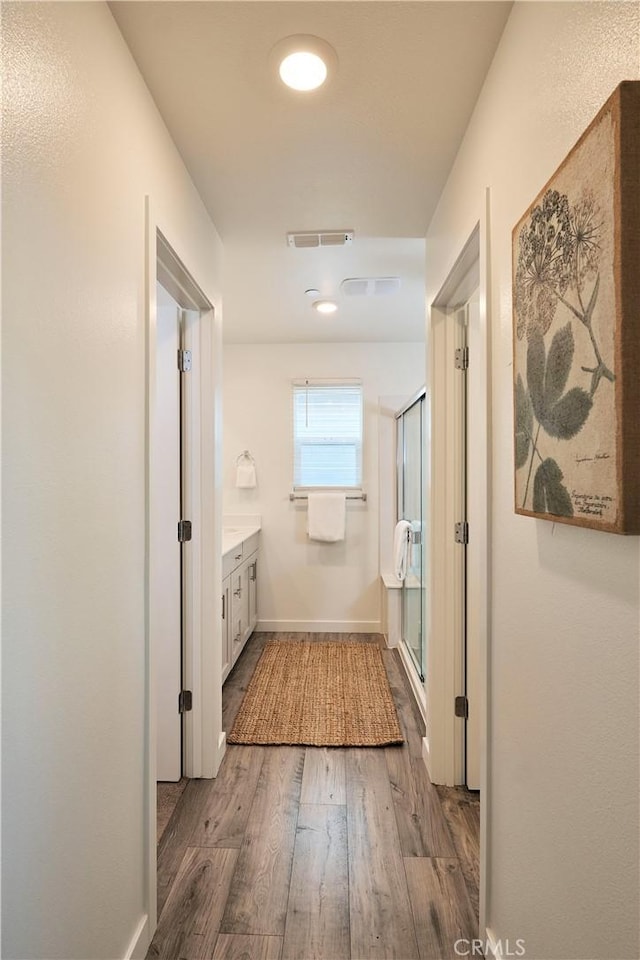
(418, 398)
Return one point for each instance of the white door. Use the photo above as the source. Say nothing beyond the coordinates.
(226, 627)
(167, 638)
(470, 443)
(476, 438)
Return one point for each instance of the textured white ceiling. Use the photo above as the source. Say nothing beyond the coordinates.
(370, 152)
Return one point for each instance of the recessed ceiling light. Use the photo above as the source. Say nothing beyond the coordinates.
(325, 306)
(303, 62)
(303, 70)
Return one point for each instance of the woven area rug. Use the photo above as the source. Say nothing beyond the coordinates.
(319, 693)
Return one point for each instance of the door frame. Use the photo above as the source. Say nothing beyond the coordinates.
(443, 746)
(204, 739)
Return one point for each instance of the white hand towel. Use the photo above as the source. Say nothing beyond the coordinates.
(246, 474)
(326, 516)
(401, 548)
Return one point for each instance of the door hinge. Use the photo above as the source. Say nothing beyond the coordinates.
(461, 532)
(461, 358)
(185, 701)
(184, 531)
(462, 707)
(184, 361)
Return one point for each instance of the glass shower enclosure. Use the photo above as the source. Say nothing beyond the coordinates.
(411, 483)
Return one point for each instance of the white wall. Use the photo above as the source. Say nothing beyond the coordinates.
(563, 780)
(82, 145)
(305, 585)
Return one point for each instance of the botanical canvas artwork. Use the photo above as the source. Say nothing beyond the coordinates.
(573, 316)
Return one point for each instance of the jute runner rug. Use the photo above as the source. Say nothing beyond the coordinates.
(319, 693)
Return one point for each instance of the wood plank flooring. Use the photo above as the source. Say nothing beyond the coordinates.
(318, 925)
(461, 808)
(310, 853)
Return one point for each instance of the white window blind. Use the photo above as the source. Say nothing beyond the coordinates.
(327, 433)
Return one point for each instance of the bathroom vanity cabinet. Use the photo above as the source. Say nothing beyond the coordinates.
(239, 592)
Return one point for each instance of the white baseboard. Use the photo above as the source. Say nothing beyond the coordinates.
(137, 949)
(319, 626)
(426, 755)
(497, 949)
(222, 747)
(490, 946)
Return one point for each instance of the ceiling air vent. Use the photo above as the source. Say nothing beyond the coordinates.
(369, 286)
(320, 238)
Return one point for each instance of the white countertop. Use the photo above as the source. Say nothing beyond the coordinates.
(233, 536)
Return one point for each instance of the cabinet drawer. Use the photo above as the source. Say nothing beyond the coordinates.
(231, 560)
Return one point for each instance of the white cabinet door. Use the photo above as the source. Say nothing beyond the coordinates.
(240, 606)
(252, 576)
(239, 610)
(226, 627)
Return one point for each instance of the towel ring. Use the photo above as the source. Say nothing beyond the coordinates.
(245, 455)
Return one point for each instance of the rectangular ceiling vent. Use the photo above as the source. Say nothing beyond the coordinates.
(320, 238)
(370, 286)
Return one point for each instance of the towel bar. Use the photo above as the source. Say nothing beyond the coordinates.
(349, 496)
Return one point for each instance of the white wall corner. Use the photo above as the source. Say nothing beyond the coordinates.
(137, 949)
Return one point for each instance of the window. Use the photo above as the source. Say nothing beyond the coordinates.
(327, 433)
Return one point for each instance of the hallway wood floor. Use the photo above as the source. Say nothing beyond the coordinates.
(302, 853)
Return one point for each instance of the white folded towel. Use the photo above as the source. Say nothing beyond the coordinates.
(246, 473)
(401, 548)
(326, 516)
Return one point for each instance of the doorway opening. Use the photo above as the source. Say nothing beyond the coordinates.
(176, 532)
(170, 533)
(457, 670)
(459, 509)
(183, 733)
